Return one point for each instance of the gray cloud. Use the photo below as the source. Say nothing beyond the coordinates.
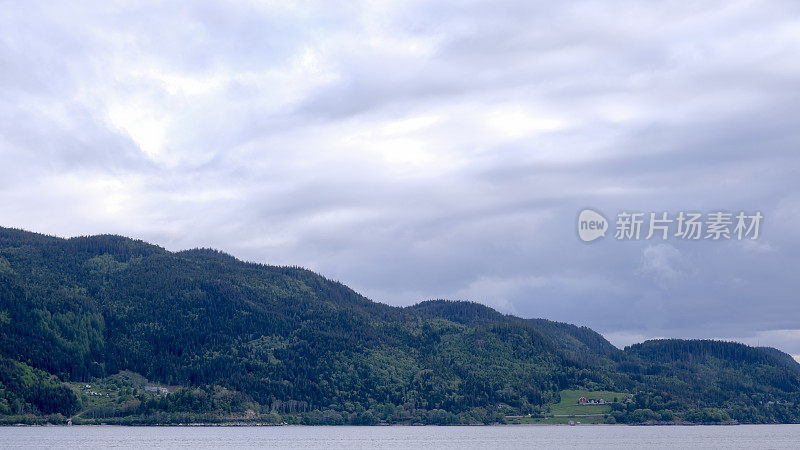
(425, 149)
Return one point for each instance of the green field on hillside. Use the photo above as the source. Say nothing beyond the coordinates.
(569, 402)
(568, 409)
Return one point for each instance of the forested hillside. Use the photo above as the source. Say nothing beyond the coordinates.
(230, 340)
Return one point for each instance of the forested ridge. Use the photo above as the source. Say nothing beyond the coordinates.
(232, 341)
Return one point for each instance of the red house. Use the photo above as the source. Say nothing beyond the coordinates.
(582, 401)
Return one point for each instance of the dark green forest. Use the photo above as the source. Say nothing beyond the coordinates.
(88, 323)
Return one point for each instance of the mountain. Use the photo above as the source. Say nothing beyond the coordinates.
(98, 328)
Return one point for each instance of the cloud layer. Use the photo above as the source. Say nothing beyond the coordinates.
(422, 149)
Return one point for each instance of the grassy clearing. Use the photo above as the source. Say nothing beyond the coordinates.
(569, 402)
(569, 409)
(101, 397)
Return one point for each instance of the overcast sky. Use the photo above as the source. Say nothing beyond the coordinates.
(420, 149)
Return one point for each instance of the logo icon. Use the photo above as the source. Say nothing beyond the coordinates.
(591, 225)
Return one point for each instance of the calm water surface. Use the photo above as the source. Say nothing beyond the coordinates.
(518, 436)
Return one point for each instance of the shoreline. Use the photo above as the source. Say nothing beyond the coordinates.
(242, 424)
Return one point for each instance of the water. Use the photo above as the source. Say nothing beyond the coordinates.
(517, 436)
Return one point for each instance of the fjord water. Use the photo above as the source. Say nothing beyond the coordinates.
(404, 437)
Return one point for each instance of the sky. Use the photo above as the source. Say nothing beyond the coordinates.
(427, 149)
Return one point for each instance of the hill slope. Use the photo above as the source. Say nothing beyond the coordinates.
(234, 339)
